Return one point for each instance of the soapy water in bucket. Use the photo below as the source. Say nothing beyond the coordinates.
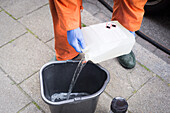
(63, 96)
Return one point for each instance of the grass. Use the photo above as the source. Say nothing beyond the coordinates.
(142, 85)
(160, 77)
(9, 14)
(11, 41)
(135, 91)
(36, 105)
(83, 25)
(23, 108)
(144, 67)
(168, 84)
(31, 32)
(12, 83)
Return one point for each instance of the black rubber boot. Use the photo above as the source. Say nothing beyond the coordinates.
(128, 61)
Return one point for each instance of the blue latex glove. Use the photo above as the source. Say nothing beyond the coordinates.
(75, 39)
(132, 33)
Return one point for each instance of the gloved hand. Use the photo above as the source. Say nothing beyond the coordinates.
(75, 39)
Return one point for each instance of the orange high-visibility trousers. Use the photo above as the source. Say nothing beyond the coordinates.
(129, 13)
(66, 16)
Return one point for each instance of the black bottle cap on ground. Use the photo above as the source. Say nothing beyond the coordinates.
(119, 105)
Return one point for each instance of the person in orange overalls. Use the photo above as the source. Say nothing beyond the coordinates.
(67, 23)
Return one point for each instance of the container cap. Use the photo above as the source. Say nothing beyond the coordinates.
(119, 105)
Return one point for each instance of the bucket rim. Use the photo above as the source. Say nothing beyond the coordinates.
(77, 98)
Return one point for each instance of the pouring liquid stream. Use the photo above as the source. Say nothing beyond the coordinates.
(79, 68)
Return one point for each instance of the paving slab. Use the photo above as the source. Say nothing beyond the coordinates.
(118, 79)
(9, 28)
(153, 97)
(19, 8)
(31, 108)
(93, 9)
(139, 76)
(157, 28)
(101, 13)
(24, 56)
(51, 44)
(104, 10)
(104, 102)
(102, 17)
(153, 62)
(12, 98)
(164, 56)
(88, 19)
(40, 23)
(32, 87)
(90, 1)
(145, 44)
(153, 49)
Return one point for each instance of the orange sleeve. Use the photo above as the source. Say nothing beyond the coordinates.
(129, 13)
(69, 13)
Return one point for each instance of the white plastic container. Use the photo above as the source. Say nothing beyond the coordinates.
(105, 41)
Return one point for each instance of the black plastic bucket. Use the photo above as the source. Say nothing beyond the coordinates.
(55, 77)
